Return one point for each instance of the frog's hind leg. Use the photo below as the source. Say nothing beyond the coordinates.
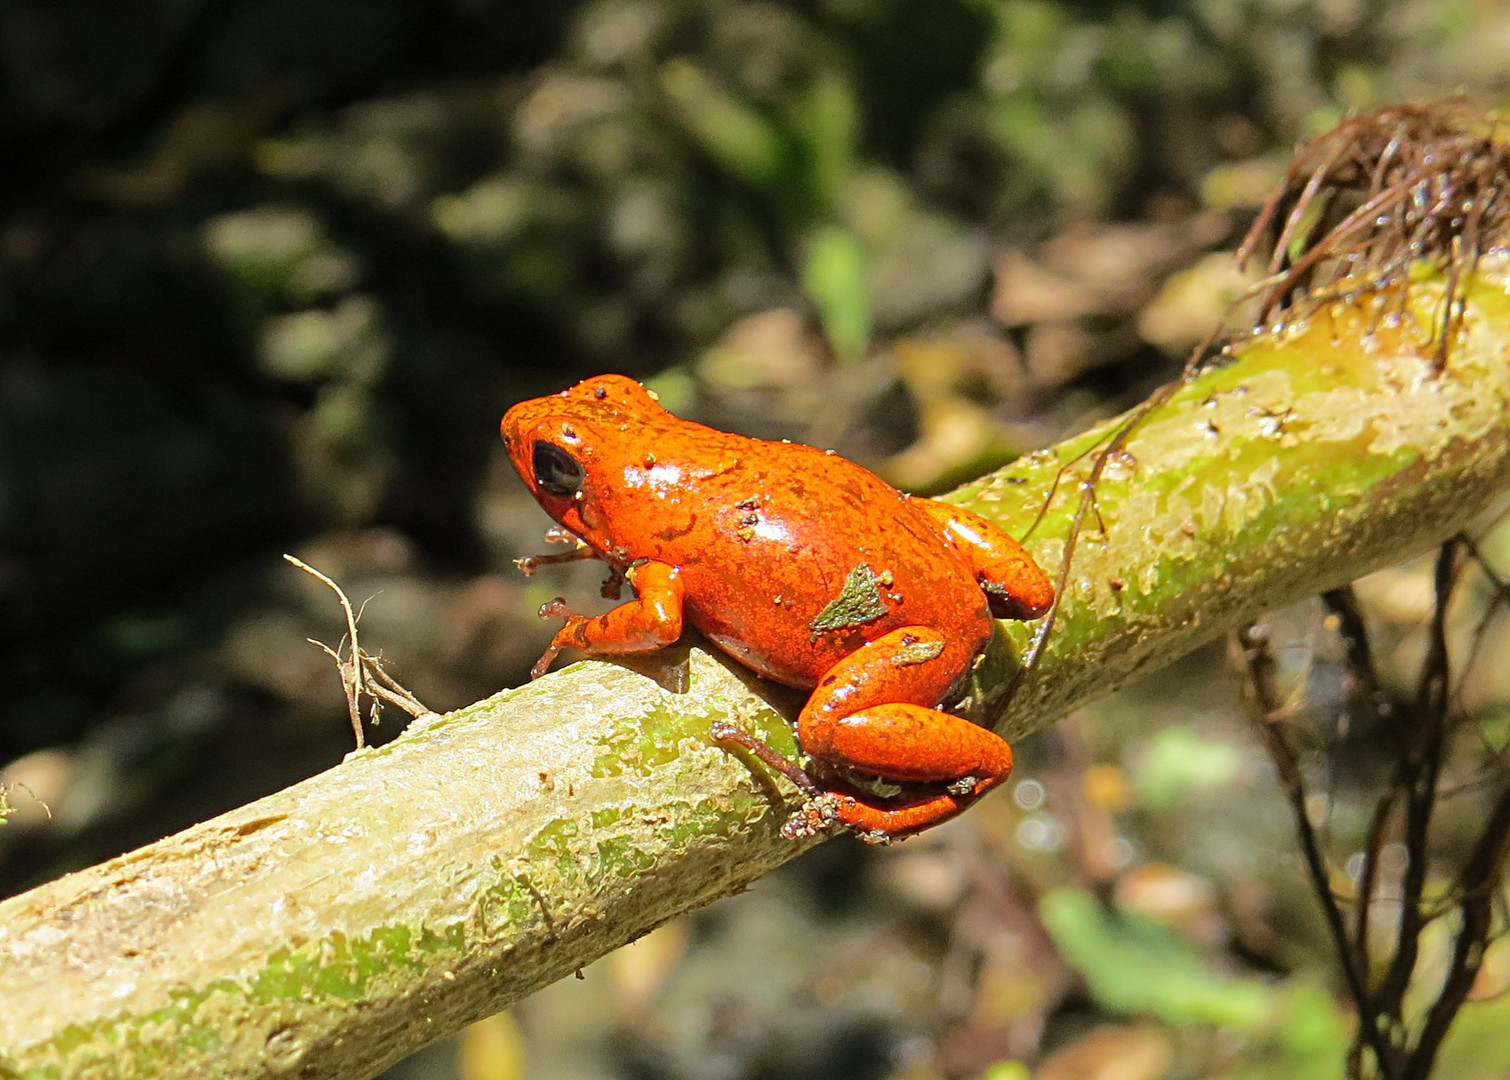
(1013, 583)
(868, 714)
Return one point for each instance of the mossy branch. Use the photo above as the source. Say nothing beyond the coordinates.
(333, 928)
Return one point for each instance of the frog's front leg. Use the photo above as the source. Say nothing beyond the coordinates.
(557, 535)
(867, 714)
(651, 620)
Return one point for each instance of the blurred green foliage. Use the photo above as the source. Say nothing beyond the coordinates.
(1176, 763)
(1133, 965)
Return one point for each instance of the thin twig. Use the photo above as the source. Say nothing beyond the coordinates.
(362, 676)
(1253, 640)
(351, 673)
(1421, 763)
(1483, 870)
(1363, 689)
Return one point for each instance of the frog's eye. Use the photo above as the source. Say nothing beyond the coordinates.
(556, 471)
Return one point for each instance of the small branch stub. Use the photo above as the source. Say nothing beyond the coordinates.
(362, 674)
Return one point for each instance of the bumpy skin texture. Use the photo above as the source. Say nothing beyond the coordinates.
(803, 566)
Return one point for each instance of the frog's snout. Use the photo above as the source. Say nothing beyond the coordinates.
(508, 427)
(511, 430)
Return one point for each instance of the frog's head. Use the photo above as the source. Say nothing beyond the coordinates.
(570, 448)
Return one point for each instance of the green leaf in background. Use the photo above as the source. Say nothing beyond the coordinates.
(1477, 1048)
(676, 388)
(1133, 965)
(828, 118)
(1313, 1035)
(1177, 762)
(736, 135)
(836, 278)
(1309, 1042)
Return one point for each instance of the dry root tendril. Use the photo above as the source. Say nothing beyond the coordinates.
(1365, 204)
(362, 674)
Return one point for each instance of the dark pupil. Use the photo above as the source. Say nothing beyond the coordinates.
(556, 471)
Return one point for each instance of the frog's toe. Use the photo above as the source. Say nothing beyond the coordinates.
(554, 609)
(819, 816)
(965, 786)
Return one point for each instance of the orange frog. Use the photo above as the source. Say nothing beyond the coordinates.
(801, 565)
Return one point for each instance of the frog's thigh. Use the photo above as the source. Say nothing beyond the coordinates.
(1015, 585)
(867, 714)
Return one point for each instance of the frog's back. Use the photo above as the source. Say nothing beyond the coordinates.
(793, 557)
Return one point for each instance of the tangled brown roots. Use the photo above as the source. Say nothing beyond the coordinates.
(1377, 196)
